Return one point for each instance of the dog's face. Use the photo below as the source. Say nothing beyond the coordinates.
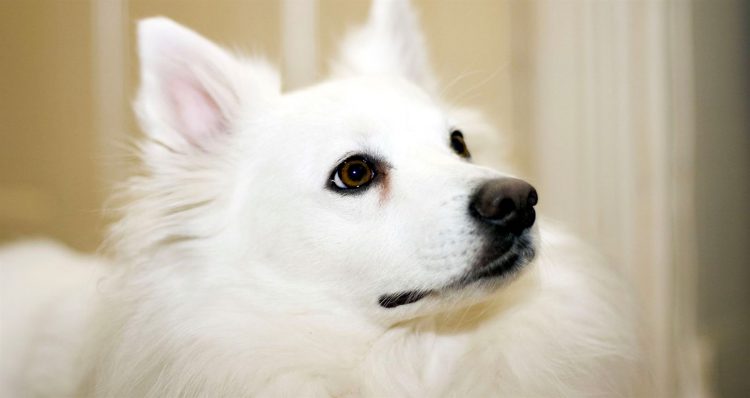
(359, 191)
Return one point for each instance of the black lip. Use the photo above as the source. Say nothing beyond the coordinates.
(403, 298)
(514, 256)
(504, 254)
(520, 254)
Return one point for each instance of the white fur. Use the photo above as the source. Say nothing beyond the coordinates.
(240, 274)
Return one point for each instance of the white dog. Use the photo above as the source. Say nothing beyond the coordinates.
(333, 241)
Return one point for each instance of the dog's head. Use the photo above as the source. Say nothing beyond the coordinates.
(358, 191)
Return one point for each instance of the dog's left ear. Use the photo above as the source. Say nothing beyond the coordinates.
(193, 91)
(390, 43)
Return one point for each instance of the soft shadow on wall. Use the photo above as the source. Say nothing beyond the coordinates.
(722, 70)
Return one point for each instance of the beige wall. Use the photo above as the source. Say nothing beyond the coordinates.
(48, 160)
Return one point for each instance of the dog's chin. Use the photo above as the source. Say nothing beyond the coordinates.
(489, 273)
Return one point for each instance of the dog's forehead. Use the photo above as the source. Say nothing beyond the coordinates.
(371, 104)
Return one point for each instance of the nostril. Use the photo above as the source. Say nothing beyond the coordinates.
(533, 198)
(505, 208)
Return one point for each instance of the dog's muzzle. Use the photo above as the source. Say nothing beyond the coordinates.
(504, 210)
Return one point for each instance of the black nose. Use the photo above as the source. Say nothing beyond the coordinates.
(507, 203)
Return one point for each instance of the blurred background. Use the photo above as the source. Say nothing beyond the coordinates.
(632, 118)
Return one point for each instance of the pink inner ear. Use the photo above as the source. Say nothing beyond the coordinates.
(197, 115)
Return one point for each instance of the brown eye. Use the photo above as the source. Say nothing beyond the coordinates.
(458, 144)
(354, 172)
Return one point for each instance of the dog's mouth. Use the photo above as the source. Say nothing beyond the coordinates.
(403, 298)
(497, 267)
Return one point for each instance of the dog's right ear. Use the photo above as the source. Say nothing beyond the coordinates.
(192, 91)
(389, 43)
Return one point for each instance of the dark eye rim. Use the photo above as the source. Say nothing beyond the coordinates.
(457, 138)
(372, 163)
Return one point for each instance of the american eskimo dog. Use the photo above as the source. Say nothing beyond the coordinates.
(332, 241)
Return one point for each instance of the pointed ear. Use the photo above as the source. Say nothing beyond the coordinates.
(191, 89)
(390, 43)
